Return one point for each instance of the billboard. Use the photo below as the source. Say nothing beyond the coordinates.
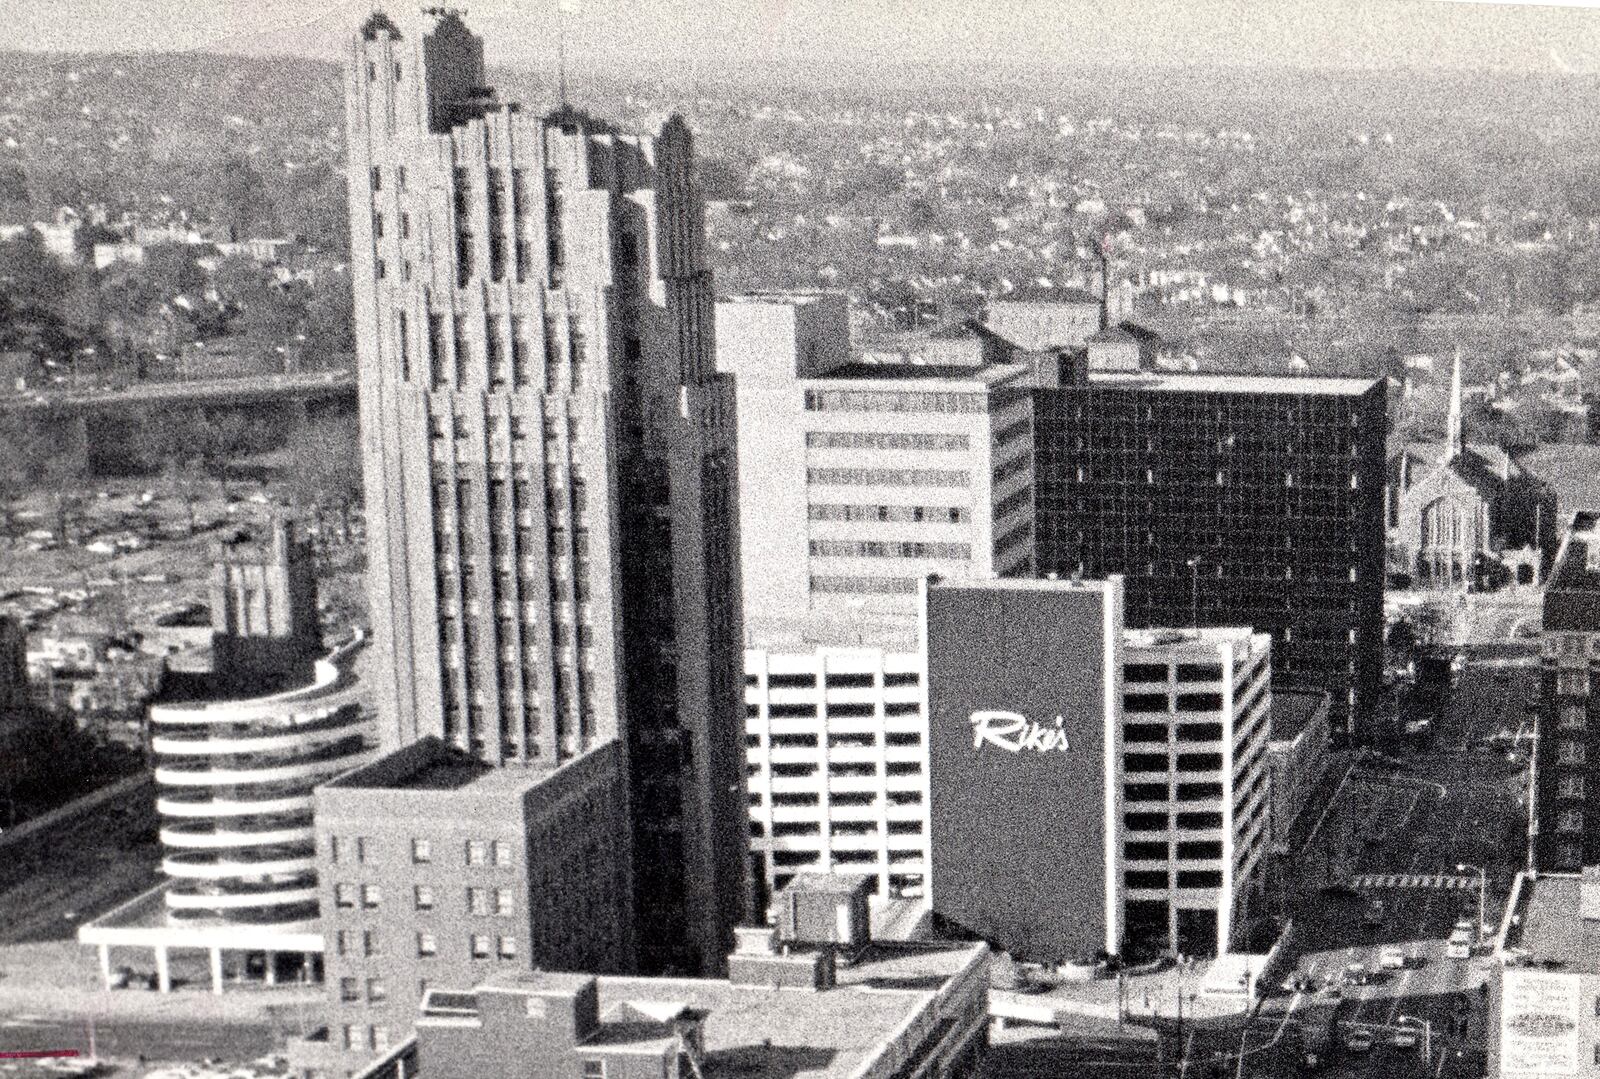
(1539, 1024)
(1017, 744)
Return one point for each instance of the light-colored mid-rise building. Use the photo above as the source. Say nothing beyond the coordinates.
(1196, 784)
(859, 478)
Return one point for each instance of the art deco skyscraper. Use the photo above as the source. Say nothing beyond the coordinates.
(549, 457)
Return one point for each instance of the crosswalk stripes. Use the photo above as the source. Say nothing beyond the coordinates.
(1439, 881)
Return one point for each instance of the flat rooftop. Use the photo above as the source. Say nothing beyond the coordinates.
(1292, 709)
(890, 631)
(755, 1032)
(1165, 637)
(1222, 382)
(434, 766)
(1553, 927)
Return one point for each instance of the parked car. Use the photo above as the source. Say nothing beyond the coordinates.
(1358, 1041)
(1393, 959)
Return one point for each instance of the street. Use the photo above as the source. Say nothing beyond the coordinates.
(1395, 834)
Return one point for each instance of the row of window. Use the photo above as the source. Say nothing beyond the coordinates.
(1016, 500)
(850, 710)
(1162, 732)
(853, 740)
(1192, 850)
(1160, 762)
(839, 798)
(1158, 822)
(1011, 432)
(888, 477)
(1160, 878)
(835, 679)
(792, 828)
(795, 859)
(1164, 702)
(915, 514)
(1013, 467)
(845, 769)
(1158, 792)
(1014, 538)
(830, 548)
(893, 401)
(883, 440)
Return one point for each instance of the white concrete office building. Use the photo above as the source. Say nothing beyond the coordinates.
(1196, 784)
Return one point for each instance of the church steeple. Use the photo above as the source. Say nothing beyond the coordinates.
(1452, 450)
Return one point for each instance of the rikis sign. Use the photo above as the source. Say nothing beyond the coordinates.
(1015, 732)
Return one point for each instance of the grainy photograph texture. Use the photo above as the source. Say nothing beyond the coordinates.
(799, 539)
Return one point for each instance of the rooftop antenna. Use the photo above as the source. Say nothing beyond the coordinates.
(563, 9)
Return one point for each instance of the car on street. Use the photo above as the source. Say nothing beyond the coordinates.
(1357, 974)
(1393, 959)
(1299, 982)
(1358, 1041)
(1404, 1037)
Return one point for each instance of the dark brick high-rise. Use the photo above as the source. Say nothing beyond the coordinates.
(1227, 500)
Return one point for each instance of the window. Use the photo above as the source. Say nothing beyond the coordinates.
(335, 849)
(1570, 753)
(594, 1069)
(423, 894)
(1199, 762)
(427, 946)
(477, 901)
(1144, 762)
(477, 852)
(350, 1041)
(502, 853)
(369, 943)
(1144, 792)
(1145, 852)
(482, 946)
(1199, 672)
(1145, 878)
(341, 939)
(349, 990)
(1199, 878)
(1144, 672)
(1145, 732)
(376, 990)
(421, 851)
(1210, 848)
(1572, 717)
(503, 903)
(1145, 822)
(371, 896)
(344, 895)
(1199, 821)
(1199, 702)
(888, 477)
(380, 1035)
(1569, 820)
(508, 947)
(1570, 787)
(1200, 732)
(1144, 702)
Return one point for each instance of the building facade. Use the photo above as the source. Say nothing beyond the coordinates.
(437, 870)
(836, 743)
(15, 692)
(238, 749)
(1565, 823)
(1196, 786)
(867, 477)
(1297, 755)
(1227, 500)
(1093, 788)
(549, 457)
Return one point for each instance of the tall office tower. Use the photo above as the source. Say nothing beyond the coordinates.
(865, 477)
(549, 457)
(1227, 500)
(1565, 823)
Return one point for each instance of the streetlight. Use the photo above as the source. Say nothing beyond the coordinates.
(1194, 592)
(1483, 885)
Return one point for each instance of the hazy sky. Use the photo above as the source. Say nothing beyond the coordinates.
(725, 37)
